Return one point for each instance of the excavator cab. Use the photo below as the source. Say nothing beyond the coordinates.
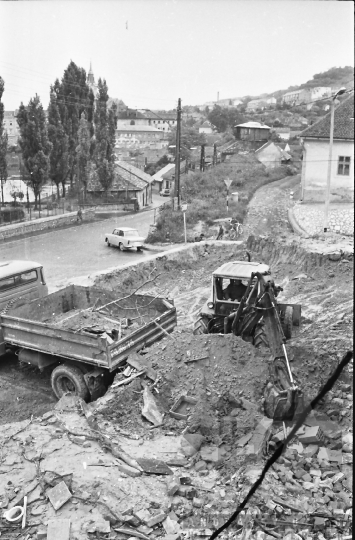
(243, 302)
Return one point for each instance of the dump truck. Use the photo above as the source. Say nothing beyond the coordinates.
(243, 302)
(84, 332)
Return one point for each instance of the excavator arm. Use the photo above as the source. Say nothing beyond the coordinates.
(282, 396)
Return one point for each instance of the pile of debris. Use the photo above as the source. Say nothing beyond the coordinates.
(208, 384)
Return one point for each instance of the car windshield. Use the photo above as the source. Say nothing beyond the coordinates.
(132, 232)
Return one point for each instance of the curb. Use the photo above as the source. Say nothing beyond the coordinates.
(295, 226)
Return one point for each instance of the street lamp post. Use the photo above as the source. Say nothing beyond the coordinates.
(228, 183)
(329, 173)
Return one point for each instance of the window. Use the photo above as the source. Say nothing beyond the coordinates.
(19, 279)
(28, 276)
(344, 165)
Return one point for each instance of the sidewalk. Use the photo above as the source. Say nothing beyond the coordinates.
(310, 218)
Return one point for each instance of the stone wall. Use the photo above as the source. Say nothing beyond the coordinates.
(42, 224)
(310, 217)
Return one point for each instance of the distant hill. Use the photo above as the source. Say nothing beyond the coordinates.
(334, 77)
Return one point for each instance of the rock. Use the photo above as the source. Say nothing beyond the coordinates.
(171, 526)
(131, 520)
(143, 515)
(243, 440)
(58, 529)
(200, 466)
(39, 510)
(197, 503)
(187, 491)
(195, 439)
(307, 478)
(78, 439)
(172, 486)
(187, 449)
(259, 438)
(41, 534)
(211, 454)
(150, 410)
(309, 486)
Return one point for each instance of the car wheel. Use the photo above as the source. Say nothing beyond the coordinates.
(69, 379)
(120, 246)
(139, 249)
(108, 243)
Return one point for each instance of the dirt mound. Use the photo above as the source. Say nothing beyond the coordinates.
(223, 374)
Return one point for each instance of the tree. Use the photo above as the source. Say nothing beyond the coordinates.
(59, 157)
(15, 192)
(190, 137)
(35, 145)
(105, 125)
(3, 144)
(83, 152)
(74, 97)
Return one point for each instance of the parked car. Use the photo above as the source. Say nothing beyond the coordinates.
(125, 238)
(165, 192)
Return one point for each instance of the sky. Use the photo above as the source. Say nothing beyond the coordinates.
(152, 52)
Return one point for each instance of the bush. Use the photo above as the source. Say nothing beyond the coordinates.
(8, 215)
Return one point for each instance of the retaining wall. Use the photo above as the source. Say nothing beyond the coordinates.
(19, 229)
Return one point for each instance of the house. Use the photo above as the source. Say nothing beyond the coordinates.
(315, 141)
(161, 120)
(207, 127)
(237, 102)
(283, 132)
(271, 155)
(141, 136)
(271, 101)
(306, 95)
(252, 131)
(166, 175)
(256, 104)
(11, 127)
(129, 183)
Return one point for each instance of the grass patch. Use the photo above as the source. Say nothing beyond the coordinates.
(205, 193)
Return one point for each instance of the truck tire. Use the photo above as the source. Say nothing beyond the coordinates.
(66, 378)
(201, 326)
(260, 340)
(287, 322)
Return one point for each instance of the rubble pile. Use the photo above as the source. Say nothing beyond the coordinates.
(223, 376)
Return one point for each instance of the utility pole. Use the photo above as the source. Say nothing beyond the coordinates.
(177, 154)
(214, 154)
(202, 158)
(329, 172)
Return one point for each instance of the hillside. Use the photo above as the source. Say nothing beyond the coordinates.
(334, 77)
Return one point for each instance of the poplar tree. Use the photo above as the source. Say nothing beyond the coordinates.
(73, 98)
(105, 124)
(35, 145)
(59, 157)
(83, 152)
(3, 143)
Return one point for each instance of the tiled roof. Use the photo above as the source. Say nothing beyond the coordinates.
(130, 114)
(131, 173)
(343, 123)
(126, 177)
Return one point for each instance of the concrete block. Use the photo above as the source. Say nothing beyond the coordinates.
(195, 439)
(59, 495)
(154, 520)
(143, 515)
(200, 466)
(150, 410)
(41, 534)
(312, 435)
(58, 529)
(171, 526)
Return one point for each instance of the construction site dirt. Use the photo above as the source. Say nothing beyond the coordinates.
(181, 434)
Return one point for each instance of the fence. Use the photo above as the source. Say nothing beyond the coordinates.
(22, 213)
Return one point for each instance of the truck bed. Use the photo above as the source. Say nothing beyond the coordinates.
(70, 324)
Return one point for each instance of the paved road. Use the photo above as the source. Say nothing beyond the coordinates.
(77, 251)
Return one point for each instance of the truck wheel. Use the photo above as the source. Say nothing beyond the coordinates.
(260, 340)
(201, 326)
(287, 322)
(66, 378)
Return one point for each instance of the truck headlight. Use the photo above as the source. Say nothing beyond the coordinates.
(210, 305)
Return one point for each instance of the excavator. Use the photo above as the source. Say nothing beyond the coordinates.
(247, 307)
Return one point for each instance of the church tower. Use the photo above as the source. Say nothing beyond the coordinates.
(91, 82)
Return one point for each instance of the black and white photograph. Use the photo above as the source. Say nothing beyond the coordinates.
(176, 269)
